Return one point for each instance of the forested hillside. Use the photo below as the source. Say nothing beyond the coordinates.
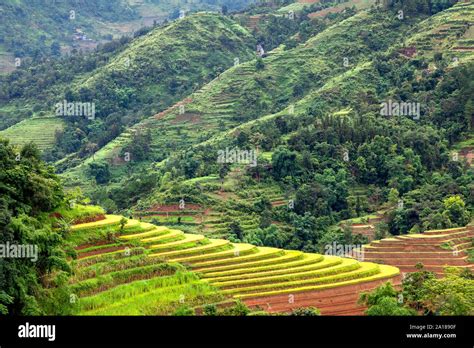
(35, 29)
(126, 80)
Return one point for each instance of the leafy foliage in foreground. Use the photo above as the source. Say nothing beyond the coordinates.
(28, 191)
(423, 293)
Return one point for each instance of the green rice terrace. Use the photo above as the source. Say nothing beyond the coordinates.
(40, 130)
(136, 268)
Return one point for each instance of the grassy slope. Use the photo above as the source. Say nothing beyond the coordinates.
(338, 90)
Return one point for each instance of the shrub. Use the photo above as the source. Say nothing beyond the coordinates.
(210, 310)
(184, 311)
(306, 312)
(123, 222)
(238, 310)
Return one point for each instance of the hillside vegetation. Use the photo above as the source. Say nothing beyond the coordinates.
(35, 29)
(129, 81)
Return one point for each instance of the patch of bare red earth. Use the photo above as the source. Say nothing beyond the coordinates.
(406, 252)
(174, 208)
(367, 229)
(89, 219)
(468, 154)
(325, 12)
(340, 300)
(279, 203)
(100, 251)
(164, 113)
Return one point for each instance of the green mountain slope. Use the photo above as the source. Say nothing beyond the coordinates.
(35, 28)
(317, 119)
(31, 28)
(244, 93)
(142, 78)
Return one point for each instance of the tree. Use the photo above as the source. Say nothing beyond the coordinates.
(210, 310)
(100, 172)
(262, 204)
(412, 287)
(225, 10)
(455, 211)
(29, 189)
(450, 295)
(236, 230)
(393, 196)
(123, 222)
(272, 236)
(305, 312)
(385, 300)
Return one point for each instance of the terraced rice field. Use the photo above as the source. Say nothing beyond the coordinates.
(365, 226)
(272, 279)
(39, 130)
(435, 249)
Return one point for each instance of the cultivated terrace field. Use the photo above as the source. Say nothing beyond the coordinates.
(147, 269)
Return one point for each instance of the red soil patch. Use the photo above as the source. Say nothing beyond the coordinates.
(336, 301)
(100, 251)
(406, 253)
(187, 117)
(173, 208)
(90, 245)
(468, 154)
(87, 219)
